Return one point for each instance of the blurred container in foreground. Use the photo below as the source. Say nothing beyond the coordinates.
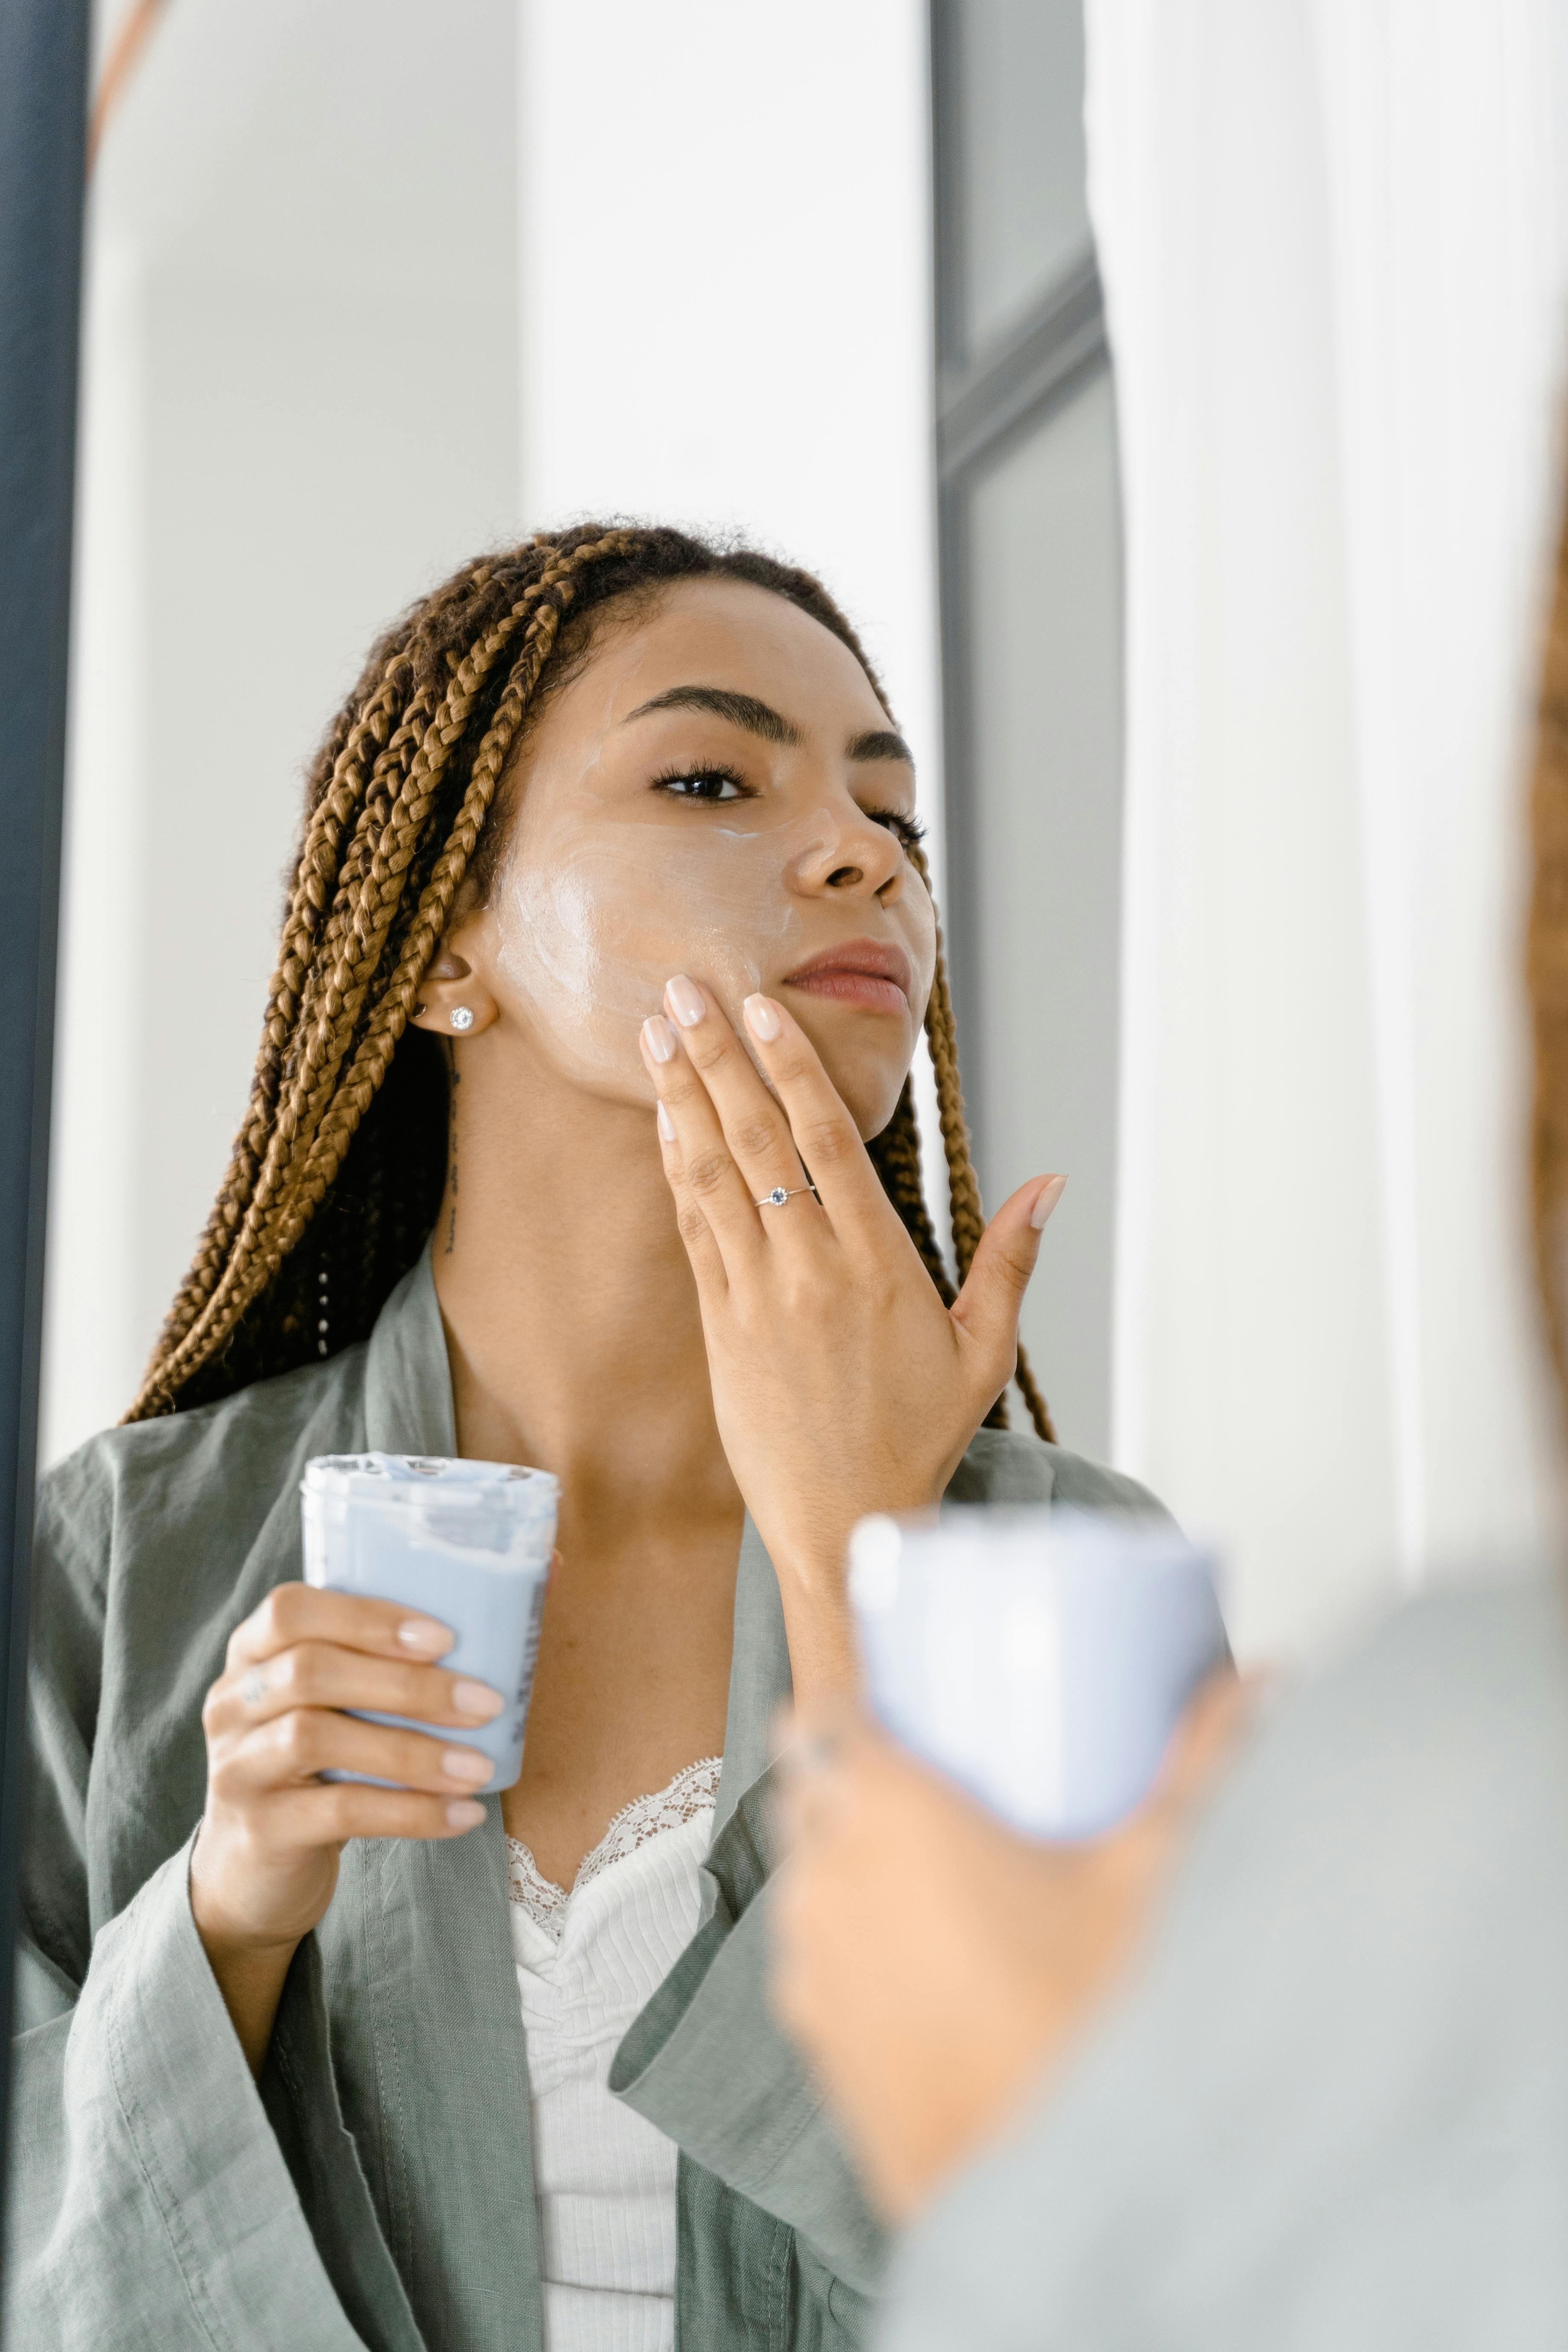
(466, 1542)
(1041, 1657)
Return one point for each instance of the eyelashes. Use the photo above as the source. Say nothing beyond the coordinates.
(909, 829)
(679, 783)
(713, 785)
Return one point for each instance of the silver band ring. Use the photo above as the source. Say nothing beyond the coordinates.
(778, 1196)
(253, 1689)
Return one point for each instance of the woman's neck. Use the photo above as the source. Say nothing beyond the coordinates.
(571, 1315)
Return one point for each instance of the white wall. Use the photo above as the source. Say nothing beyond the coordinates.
(302, 404)
(300, 409)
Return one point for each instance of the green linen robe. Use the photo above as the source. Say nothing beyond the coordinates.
(375, 2188)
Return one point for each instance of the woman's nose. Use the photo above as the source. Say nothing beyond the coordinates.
(855, 855)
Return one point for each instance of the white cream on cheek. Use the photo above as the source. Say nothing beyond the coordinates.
(596, 912)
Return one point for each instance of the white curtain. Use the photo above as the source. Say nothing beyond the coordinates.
(1332, 234)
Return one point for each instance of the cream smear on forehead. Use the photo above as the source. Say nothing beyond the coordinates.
(594, 920)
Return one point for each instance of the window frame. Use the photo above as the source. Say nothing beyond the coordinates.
(985, 401)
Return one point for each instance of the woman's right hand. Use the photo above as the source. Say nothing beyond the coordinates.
(264, 1861)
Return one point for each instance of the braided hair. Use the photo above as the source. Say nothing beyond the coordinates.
(337, 1172)
(1547, 972)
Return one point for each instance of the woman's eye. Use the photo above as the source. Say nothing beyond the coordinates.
(703, 784)
(909, 829)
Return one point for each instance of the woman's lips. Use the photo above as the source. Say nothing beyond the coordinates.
(872, 974)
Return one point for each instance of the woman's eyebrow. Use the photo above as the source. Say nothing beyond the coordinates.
(881, 743)
(761, 719)
(739, 710)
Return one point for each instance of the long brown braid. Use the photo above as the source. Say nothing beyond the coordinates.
(338, 1170)
(1547, 967)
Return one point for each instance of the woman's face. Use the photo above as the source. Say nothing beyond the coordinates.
(717, 793)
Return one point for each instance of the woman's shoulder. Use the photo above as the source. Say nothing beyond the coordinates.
(1462, 1689)
(1014, 1465)
(220, 1465)
(1375, 1901)
(1339, 2084)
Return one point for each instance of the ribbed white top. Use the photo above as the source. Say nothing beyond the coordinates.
(586, 1962)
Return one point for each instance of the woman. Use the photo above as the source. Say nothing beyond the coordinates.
(1328, 2110)
(615, 821)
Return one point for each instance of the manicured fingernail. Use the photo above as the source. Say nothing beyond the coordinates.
(658, 1037)
(761, 1018)
(684, 999)
(466, 1764)
(666, 1125)
(1049, 1195)
(477, 1699)
(462, 1813)
(424, 1636)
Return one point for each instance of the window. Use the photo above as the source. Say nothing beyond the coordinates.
(1031, 593)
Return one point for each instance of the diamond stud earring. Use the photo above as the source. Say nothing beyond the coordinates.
(461, 1017)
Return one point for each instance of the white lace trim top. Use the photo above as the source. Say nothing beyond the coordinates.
(587, 1961)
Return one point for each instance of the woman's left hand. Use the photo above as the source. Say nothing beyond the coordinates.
(936, 1966)
(841, 1383)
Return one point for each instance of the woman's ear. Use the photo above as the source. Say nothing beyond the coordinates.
(452, 1000)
